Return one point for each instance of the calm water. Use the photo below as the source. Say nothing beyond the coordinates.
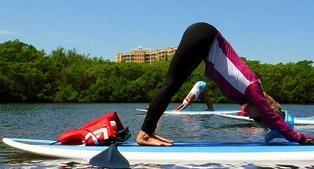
(47, 121)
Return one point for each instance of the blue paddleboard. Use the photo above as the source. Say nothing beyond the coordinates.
(187, 153)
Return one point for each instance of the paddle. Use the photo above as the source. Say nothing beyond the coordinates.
(110, 158)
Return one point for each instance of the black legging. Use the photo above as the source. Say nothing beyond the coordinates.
(193, 48)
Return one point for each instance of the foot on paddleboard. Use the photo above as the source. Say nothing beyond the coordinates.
(163, 139)
(150, 140)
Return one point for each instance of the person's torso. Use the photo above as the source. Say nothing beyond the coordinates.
(228, 70)
(198, 88)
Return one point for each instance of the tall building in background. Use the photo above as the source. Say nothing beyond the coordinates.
(146, 55)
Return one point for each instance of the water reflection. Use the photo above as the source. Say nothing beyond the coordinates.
(26, 160)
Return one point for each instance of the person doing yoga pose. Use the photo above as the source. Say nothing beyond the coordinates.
(203, 42)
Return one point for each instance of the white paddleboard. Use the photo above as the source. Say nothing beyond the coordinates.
(196, 112)
(297, 120)
(183, 153)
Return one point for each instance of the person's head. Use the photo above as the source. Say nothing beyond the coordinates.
(255, 114)
(273, 103)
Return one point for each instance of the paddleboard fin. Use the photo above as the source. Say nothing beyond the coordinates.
(110, 158)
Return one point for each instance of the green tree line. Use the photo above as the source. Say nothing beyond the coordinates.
(31, 75)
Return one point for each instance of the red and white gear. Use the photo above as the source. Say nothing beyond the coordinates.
(101, 131)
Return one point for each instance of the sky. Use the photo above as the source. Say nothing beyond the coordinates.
(270, 31)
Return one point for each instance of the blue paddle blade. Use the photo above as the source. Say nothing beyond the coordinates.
(110, 158)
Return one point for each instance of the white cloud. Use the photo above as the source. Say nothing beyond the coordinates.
(7, 32)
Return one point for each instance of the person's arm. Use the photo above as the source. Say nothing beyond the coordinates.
(182, 106)
(186, 102)
(207, 100)
(271, 118)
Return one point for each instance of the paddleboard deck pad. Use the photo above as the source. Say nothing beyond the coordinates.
(183, 153)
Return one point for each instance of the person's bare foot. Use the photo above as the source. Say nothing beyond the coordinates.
(151, 140)
(163, 139)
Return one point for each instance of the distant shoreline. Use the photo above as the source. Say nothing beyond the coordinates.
(28, 75)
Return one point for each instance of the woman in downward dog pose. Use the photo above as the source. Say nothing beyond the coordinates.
(203, 42)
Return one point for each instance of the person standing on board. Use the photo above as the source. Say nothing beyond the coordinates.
(203, 42)
(199, 89)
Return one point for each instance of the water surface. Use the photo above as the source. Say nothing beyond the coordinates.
(47, 121)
